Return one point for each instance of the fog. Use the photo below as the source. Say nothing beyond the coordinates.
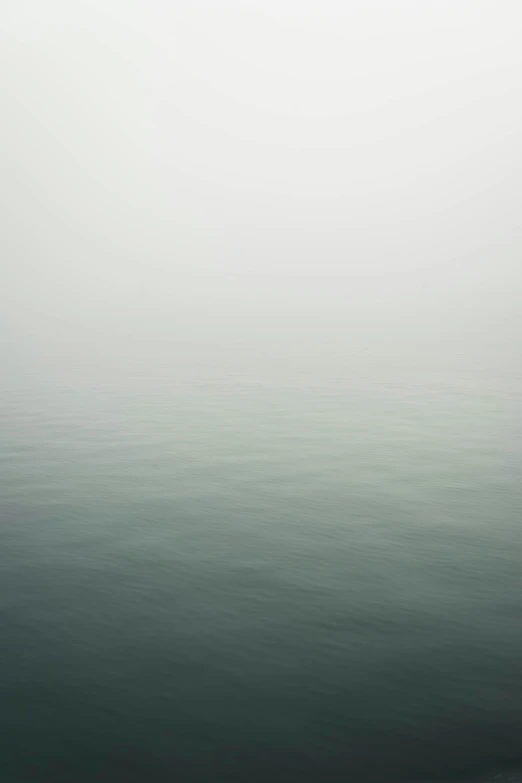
(262, 177)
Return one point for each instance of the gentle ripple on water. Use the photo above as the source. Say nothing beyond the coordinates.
(231, 579)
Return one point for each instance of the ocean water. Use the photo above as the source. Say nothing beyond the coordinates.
(220, 575)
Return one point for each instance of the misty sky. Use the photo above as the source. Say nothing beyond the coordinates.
(306, 172)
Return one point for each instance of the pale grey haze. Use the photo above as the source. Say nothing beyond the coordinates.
(262, 178)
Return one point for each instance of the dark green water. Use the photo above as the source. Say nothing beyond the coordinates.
(217, 576)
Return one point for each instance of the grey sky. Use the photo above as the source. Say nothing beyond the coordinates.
(298, 168)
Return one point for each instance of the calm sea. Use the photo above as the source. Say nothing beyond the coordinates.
(220, 575)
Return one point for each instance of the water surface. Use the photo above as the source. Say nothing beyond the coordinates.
(218, 575)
